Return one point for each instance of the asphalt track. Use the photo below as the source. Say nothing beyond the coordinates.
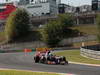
(22, 61)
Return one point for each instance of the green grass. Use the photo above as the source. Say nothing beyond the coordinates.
(12, 72)
(74, 56)
(87, 29)
(86, 43)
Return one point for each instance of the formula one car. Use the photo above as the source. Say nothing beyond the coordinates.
(49, 59)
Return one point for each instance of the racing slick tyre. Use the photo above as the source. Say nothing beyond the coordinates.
(67, 62)
(64, 59)
(36, 59)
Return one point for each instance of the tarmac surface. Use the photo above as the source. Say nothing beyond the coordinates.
(22, 61)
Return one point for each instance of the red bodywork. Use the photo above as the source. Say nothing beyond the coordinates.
(9, 8)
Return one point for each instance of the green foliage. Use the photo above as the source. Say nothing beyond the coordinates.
(55, 31)
(66, 19)
(17, 24)
(50, 33)
(98, 27)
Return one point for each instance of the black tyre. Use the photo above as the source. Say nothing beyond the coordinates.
(37, 59)
(67, 62)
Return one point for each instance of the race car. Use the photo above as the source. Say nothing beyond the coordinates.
(48, 58)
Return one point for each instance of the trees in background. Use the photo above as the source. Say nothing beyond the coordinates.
(66, 19)
(17, 25)
(55, 31)
(50, 33)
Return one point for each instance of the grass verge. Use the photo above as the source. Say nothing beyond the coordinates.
(87, 29)
(86, 43)
(74, 56)
(13, 72)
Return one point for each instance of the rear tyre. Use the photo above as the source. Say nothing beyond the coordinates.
(37, 59)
